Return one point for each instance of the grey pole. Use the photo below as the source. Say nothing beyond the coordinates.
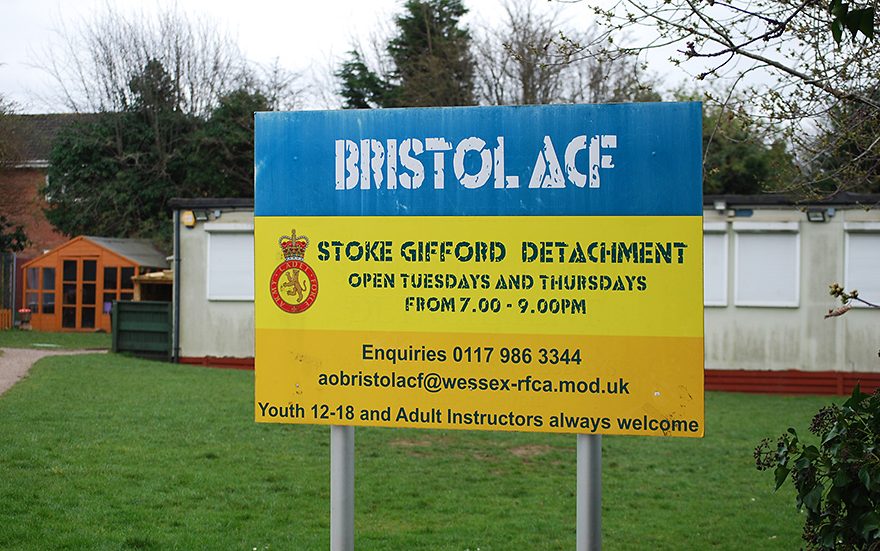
(341, 488)
(589, 492)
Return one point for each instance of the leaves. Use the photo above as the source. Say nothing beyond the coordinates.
(813, 498)
(869, 524)
(429, 57)
(855, 21)
(837, 483)
(12, 237)
(737, 159)
(114, 175)
(781, 474)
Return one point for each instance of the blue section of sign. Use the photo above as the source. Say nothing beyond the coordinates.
(638, 159)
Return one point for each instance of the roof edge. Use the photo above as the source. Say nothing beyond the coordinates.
(95, 240)
(776, 199)
(179, 203)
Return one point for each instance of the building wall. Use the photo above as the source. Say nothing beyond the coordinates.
(739, 337)
(211, 328)
(21, 202)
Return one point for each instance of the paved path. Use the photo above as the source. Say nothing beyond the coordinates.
(15, 362)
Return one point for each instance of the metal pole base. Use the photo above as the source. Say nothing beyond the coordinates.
(341, 488)
(589, 492)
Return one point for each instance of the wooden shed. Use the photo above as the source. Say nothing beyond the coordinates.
(72, 287)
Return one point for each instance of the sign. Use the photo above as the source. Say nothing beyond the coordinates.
(495, 268)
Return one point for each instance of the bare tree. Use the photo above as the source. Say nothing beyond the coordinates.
(283, 88)
(8, 148)
(527, 61)
(519, 63)
(96, 60)
(795, 62)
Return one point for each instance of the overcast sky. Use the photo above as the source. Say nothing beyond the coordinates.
(305, 35)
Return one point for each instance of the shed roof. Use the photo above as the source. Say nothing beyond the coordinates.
(139, 251)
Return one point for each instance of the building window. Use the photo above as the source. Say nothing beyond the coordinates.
(862, 263)
(230, 262)
(715, 264)
(767, 264)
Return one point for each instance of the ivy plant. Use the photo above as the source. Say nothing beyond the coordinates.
(838, 480)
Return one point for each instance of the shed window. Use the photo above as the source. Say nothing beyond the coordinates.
(88, 317)
(48, 303)
(88, 293)
(69, 293)
(862, 264)
(48, 279)
(230, 263)
(70, 270)
(117, 286)
(90, 270)
(33, 278)
(32, 300)
(767, 265)
(39, 293)
(125, 278)
(110, 277)
(715, 264)
(68, 317)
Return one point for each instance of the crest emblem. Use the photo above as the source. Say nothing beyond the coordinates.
(294, 285)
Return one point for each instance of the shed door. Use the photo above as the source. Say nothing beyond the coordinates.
(79, 293)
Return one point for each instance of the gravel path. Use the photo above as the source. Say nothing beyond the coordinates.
(15, 362)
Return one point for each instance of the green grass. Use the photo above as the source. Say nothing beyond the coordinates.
(109, 452)
(14, 338)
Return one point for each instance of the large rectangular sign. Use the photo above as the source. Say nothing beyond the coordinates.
(500, 268)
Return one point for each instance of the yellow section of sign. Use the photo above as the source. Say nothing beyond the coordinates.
(552, 324)
(546, 383)
(582, 275)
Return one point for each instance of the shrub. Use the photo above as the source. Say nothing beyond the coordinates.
(838, 481)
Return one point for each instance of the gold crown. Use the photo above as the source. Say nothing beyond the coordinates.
(293, 247)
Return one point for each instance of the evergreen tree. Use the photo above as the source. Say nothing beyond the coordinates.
(220, 162)
(429, 58)
(113, 175)
(12, 237)
(737, 160)
(361, 87)
(431, 55)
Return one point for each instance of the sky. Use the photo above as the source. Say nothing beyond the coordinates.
(306, 36)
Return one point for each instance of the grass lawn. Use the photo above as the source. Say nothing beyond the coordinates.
(14, 338)
(109, 452)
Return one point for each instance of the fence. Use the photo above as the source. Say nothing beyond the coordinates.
(142, 328)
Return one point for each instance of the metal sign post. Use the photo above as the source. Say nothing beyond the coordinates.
(341, 488)
(589, 492)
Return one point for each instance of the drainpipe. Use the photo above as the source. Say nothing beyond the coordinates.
(175, 331)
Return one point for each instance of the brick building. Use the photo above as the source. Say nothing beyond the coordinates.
(27, 142)
(23, 175)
